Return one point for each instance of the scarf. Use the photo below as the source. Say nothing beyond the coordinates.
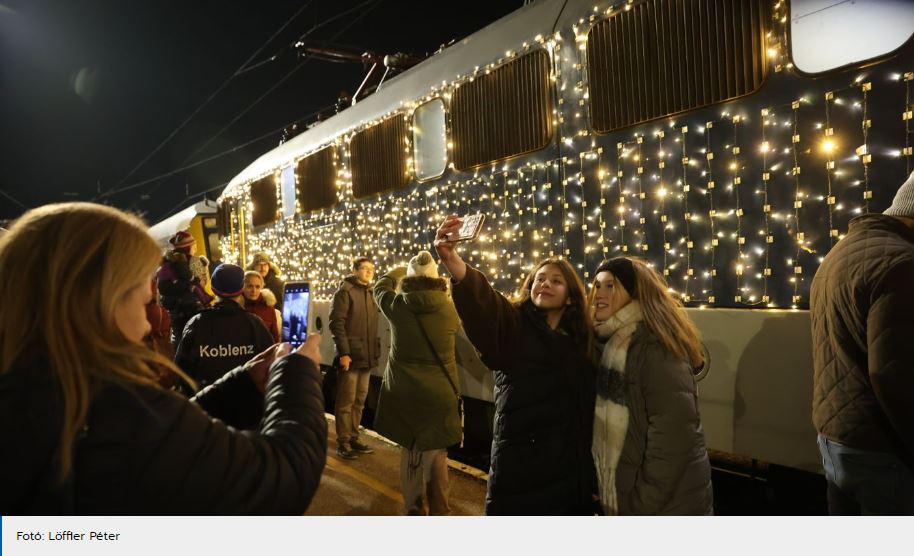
(611, 414)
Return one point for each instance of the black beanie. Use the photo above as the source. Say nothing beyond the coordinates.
(624, 271)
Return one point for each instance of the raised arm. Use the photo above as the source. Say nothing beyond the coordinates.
(210, 468)
(385, 289)
(490, 321)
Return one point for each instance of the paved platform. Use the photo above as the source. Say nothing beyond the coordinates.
(370, 485)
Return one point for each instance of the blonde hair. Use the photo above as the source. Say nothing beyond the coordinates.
(664, 314)
(84, 259)
(253, 274)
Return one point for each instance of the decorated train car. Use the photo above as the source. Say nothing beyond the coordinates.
(729, 143)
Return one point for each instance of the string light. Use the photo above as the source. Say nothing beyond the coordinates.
(577, 204)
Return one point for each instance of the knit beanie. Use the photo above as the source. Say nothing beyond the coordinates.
(624, 271)
(182, 241)
(422, 265)
(228, 280)
(260, 258)
(903, 203)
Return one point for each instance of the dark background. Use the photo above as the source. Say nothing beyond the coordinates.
(90, 88)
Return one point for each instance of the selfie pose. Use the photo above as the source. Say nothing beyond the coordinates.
(539, 349)
(418, 404)
(80, 400)
(648, 444)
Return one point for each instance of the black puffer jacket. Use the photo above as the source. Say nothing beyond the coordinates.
(544, 405)
(862, 313)
(149, 451)
(219, 339)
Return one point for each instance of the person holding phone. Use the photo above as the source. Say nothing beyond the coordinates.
(648, 444)
(354, 325)
(539, 347)
(93, 431)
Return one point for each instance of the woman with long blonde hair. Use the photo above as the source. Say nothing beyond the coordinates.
(80, 398)
(539, 348)
(648, 444)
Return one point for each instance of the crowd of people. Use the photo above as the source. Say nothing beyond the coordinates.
(108, 379)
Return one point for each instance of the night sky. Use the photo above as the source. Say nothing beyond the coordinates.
(90, 88)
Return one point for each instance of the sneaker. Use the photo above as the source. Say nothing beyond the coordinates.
(345, 452)
(360, 448)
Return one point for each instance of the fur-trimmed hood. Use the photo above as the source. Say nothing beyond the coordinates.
(268, 297)
(262, 258)
(411, 284)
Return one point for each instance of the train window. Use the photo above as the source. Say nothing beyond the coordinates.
(506, 112)
(316, 180)
(214, 249)
(378, 157)
(825, 34)
(660, 58)
(287, 187)
(430, 140)
(224, 217)
(263, 196)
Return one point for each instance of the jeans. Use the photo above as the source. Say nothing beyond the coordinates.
(861, 482)
(351, 391)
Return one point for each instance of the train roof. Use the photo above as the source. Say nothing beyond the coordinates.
(482, 47)
(180, 221)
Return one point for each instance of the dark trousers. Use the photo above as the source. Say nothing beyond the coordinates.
(861, 482)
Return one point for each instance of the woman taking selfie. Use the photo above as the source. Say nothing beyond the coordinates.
(93, 431)
(648, 444)
(538, 347)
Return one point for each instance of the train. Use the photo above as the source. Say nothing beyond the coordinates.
(727, 142)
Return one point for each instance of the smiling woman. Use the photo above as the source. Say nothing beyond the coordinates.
(539, 350)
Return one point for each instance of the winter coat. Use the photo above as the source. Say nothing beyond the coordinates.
(146, 450)
(544, 404)
(178, 291)
(354, 324)
(263, 307)
(272, 281)
(219, 339)
(159, 337)
(664, 467)
(418, 407)
(862, 315)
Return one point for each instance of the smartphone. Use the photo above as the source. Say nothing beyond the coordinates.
(296, 308)
(472, 225)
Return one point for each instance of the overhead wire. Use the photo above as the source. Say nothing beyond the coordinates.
(187, 120)
(295, 69)
(201, 162)
(374, 3)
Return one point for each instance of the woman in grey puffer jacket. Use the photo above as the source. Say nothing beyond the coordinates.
(648, 445)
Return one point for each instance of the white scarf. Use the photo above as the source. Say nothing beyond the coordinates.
(610, 423)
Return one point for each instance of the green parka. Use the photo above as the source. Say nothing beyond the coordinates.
(418, 408)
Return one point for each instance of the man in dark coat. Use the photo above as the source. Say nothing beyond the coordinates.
(270, 273)
(354, 324)
(862, 312)
(224, 336)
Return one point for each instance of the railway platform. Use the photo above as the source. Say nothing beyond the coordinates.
(370, 485)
